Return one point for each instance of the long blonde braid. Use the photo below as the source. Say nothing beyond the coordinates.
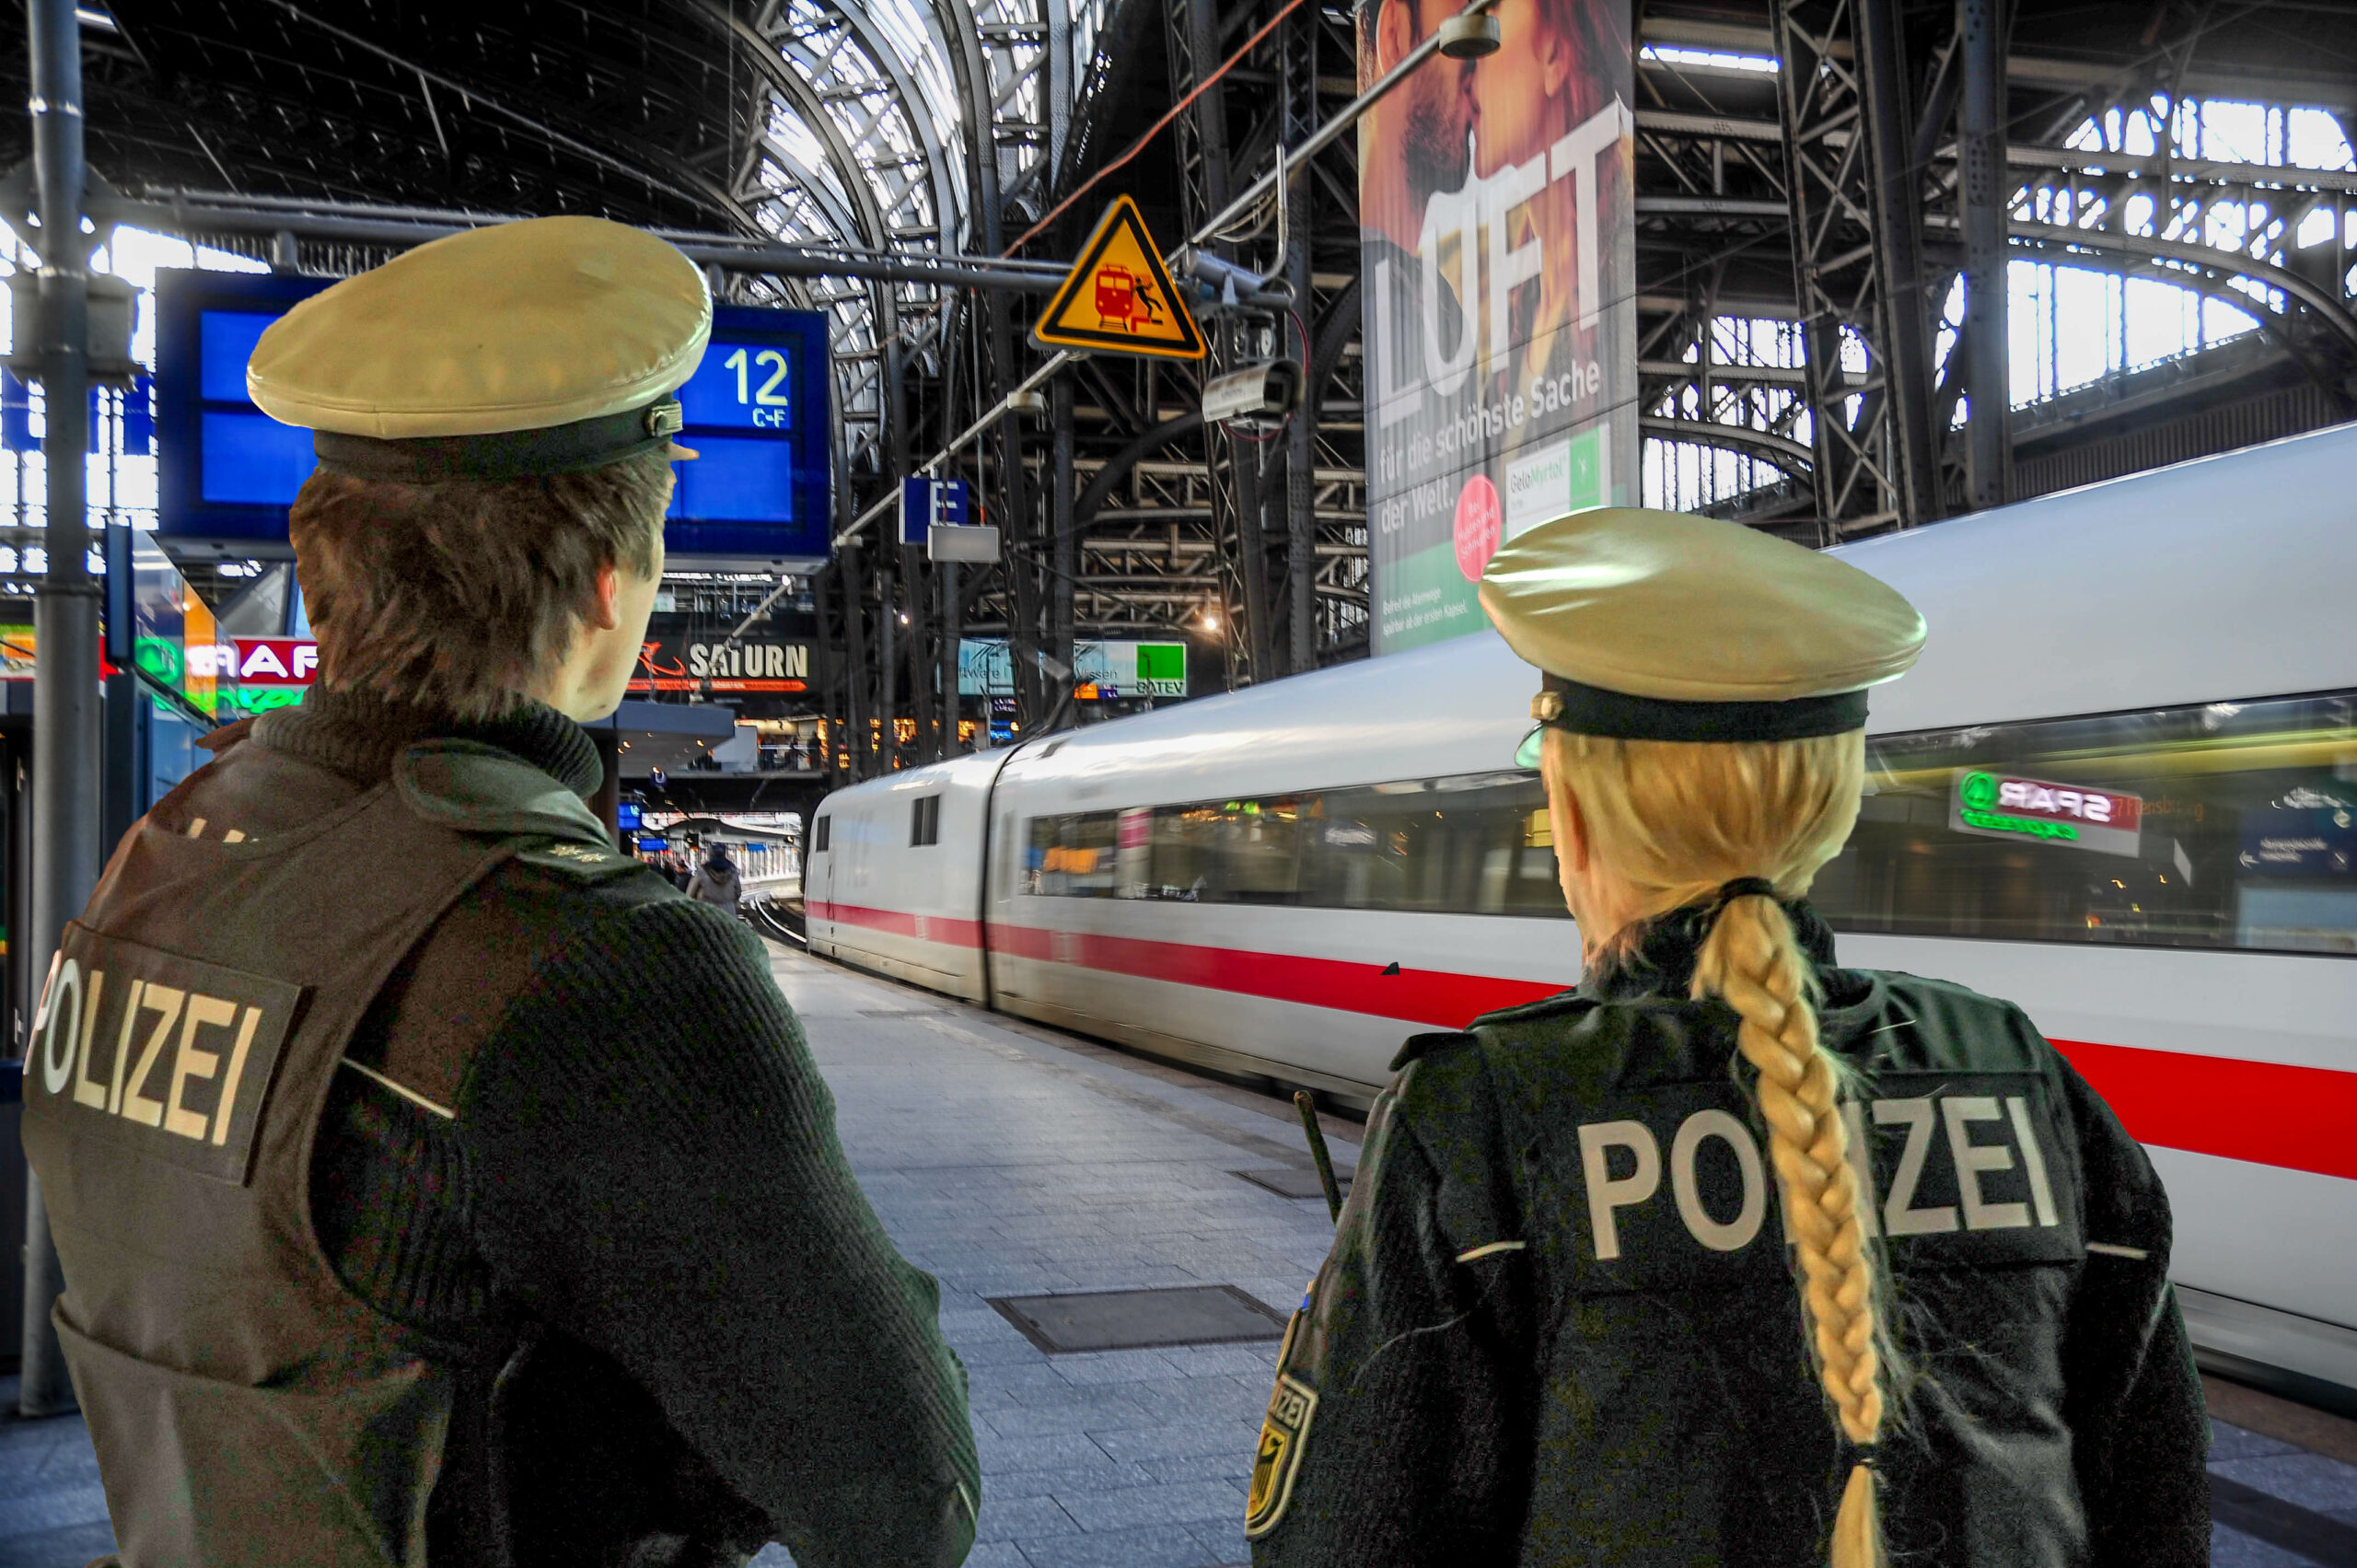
(1676, 821)
(1752, 960)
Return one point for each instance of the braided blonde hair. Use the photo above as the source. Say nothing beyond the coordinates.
(1675, 821)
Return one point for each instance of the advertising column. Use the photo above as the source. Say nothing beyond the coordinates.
(1498, 247)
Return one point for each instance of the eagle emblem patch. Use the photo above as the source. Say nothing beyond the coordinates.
(1283, 1431)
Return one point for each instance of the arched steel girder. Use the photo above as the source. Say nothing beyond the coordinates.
(1788, 455)
(2334, 313)
(954, 19)
(910, 101)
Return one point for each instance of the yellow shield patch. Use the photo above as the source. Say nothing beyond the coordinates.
(1283, 1432)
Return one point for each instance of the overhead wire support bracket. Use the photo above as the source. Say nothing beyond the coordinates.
(1326, 135)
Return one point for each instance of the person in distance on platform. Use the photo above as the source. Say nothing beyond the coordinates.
(715, 882)
(1730, 1255)
(439, 1232)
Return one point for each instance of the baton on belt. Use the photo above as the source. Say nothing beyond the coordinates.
(1325, 1162)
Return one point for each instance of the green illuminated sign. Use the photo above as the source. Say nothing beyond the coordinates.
(1979, 791)
(1999, 822)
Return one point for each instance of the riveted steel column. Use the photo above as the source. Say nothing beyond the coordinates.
(1980, 136)
(67, 716)
(1898, 260)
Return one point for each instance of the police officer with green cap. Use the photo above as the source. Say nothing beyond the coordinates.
(1732, 1255)
(432, 1183)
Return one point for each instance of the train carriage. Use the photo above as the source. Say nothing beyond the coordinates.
(2119, 789)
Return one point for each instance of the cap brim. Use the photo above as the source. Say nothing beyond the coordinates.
(1527, 754)
(679, 454)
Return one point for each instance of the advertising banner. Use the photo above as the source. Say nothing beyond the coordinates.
(1498, 245)
(986, 668)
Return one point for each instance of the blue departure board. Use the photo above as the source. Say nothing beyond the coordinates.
(757, 413)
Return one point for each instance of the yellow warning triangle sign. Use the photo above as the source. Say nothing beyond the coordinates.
(1119, 298)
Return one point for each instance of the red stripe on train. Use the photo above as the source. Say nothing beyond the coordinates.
(1421, 996)
(2297, 1118)
(900, 923)
(2300, 1117)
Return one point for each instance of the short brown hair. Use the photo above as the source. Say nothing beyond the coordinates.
(452, 596)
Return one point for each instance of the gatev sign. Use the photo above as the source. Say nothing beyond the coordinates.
(2002, 807)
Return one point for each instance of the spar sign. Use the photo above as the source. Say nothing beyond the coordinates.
(2001, 805)
(257, 661)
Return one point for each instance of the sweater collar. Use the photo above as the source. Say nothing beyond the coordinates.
(360, 734)
(1661, 960)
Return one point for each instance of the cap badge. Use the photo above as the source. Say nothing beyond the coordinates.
(665, 418)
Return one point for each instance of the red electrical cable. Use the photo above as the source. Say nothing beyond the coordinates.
(1154, 130)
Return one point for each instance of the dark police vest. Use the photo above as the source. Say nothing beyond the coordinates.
(1559, 1325)
(248, 1408)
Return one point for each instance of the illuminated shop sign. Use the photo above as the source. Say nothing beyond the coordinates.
(754, 665)
(2001, 805)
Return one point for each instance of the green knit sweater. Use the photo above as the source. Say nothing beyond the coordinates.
(627, 1154)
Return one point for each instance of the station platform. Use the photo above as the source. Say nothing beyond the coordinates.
(1014, 1162)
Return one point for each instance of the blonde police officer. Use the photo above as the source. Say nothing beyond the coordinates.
(1731, 1256)
(365, 1066)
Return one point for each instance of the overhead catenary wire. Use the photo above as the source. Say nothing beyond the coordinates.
(1323, 138)
(1156, 129)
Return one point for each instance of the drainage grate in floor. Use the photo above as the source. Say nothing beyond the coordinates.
(1293, 1182)
(1140, 1320)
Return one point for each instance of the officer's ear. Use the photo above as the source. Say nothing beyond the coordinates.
(603, 613)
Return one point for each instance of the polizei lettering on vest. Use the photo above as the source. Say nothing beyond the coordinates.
(178, 1069)
(1949, 1169)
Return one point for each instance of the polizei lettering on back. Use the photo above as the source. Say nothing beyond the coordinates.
(1963, 1170)
(168, 1056)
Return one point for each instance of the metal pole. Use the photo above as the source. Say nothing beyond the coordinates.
(1300, 43)
(1067, 547)
(66, 716)
(1980, 127)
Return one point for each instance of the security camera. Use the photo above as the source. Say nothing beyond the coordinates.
(1257, 392)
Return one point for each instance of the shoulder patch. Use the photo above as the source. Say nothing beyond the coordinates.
(1417, 1047)
(1277, 1461)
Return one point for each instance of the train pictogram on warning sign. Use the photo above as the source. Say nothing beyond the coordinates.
(1119, 296)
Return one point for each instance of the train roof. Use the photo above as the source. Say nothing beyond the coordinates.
(2222, 579)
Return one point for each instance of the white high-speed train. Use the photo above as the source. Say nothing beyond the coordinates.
(2119, 789)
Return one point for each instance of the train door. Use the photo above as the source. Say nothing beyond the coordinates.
(819, 871)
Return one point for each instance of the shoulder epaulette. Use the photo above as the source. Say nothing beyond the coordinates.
(579, 862)
(1545, 1007)
(227, 736)
(482, 789)
(1417, 1047)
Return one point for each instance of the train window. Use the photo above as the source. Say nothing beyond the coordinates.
(1474, 844)
(2227, 825)
(924, 820)
(819, 834)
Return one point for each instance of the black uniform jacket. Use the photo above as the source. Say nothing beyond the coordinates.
(1559, 1325)
(580, 1118)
